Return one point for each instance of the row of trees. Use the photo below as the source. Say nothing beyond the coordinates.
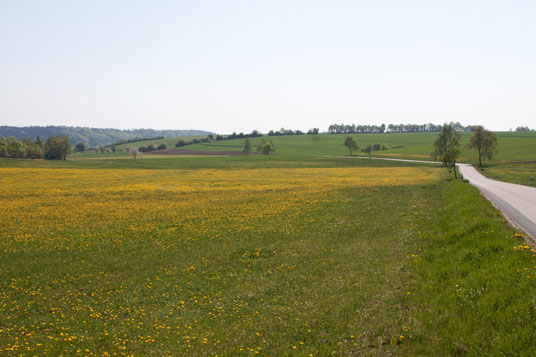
(264, 146)
(56, 147)
(253, 134)
(393, 128)
(447, 145)
(183, 142)
(284, 131)
(152, 147)
(524, 128)
(352, 145)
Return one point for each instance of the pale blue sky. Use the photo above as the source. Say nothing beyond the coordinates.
(230, 66)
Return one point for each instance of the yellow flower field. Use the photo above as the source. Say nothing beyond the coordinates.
(41, 203)
(98, 262)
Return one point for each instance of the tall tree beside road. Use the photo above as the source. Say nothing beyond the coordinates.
(444, 146)
(485, 142)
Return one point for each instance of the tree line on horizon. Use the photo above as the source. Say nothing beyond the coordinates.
(392, 128)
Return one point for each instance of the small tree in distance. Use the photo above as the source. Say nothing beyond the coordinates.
(350, 143)
(368, 149)
(268, 148)
(260, 147)
(485, 142)
(80, 147)
(247, 147)
(134, 151)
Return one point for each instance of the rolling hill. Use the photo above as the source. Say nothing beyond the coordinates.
(92, 136)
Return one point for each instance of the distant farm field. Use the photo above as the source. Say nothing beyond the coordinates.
(343, 258)
(513, 146)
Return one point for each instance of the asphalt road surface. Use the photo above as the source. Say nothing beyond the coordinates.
(517, 202)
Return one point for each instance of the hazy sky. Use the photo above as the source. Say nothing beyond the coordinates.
(230, 66)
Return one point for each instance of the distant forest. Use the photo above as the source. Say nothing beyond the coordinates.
(93, 136)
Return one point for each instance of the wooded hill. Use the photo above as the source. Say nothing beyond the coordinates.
(92, 136)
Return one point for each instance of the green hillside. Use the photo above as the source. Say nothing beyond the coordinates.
(513, 146)
(515, 161)
(91, 136)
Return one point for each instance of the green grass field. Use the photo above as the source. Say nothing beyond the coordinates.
(515, 162)
(514, 146)
(300, 253)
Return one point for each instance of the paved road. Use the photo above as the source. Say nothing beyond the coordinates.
(517, 202)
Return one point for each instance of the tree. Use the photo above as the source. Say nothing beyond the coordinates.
(351, 144)
(134, 151)
(58, 147)
(261, 145)
(80, 147)
(33, 150)
(40, 143)
(162, 147)
(485, 142)
(3, 147)
(368, 149)
(180, 143)
(15, 148)
(268, 148)
(247, 147)
(447, 139)
(450, 157)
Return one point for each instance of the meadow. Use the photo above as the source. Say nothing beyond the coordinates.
(256, 255)
(517, 172)
(513, 146)
(515, 161)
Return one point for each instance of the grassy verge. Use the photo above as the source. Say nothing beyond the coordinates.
(474, 281)
(519, 173)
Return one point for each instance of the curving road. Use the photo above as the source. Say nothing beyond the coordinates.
(517, 202)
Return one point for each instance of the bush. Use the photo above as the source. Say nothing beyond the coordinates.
(180, 143)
